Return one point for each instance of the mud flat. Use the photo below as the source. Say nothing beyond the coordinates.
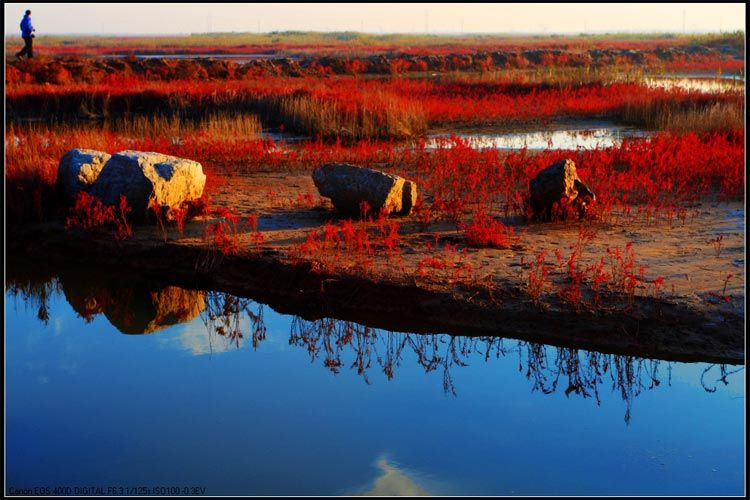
(694, 318)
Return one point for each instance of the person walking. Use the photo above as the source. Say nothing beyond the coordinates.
(27, 33)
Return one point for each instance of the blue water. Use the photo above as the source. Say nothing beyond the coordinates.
(193, 405)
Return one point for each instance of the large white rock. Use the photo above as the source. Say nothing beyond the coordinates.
(349, 185)
(78, 170)
(143, 176)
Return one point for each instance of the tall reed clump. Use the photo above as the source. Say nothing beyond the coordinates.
(215, 126)
(683, 111)
(718, 116)
(351, 108)
(367, 116)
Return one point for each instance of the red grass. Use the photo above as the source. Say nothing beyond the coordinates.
(220, 236)
(647, 179)
(371, 103)
(538, 277)
(717, 244)
(445, 265)
(662, 174)
(256, 237)
(726, 280)
(357, 58)
(179, 215)
(484, 231)
(124, 230)
(89, 212)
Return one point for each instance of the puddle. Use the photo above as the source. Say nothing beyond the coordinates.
(565, 139)
(283, 137)
(736, 218)
(693, 84)
(700, 75)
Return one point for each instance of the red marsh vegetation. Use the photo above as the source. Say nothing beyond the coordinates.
(214, 111)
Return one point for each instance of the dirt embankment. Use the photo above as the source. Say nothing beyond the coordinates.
(698, 314)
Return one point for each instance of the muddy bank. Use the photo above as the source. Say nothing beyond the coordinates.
(668, 328)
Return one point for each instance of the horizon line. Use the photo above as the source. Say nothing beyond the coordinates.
(387, 33)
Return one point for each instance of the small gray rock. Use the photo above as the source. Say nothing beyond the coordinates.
(557, 182)
(349, 185)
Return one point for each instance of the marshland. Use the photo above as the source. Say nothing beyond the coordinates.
(470, 346)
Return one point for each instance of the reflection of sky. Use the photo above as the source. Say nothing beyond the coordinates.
(690, 374)
(394, 481)
(540, 140)
(88, 405)
(195, 339)
(704, 85)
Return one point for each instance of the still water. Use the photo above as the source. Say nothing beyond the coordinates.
(704, 85)
(114, 382)
(604, 136)
(238, 58)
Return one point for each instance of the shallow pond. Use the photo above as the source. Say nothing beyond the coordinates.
(120, 382)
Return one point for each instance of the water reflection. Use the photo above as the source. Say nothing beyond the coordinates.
(604, 137)
(228, 316)
(548, 369)
(394, 481)
(136, 306)
(132, 306)
(693, 84)
(36, 291)
(238, 58)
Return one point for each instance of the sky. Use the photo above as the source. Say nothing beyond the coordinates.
(166, 19)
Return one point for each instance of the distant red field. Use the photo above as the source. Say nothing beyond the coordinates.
(313, 43)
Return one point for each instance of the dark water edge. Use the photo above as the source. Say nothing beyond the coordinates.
(119, 379)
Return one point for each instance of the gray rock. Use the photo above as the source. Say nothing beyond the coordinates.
(78, 170)
(557, 182)
(349, 185)
(143, 176)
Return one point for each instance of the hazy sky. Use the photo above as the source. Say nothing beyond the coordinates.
(374, 18)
